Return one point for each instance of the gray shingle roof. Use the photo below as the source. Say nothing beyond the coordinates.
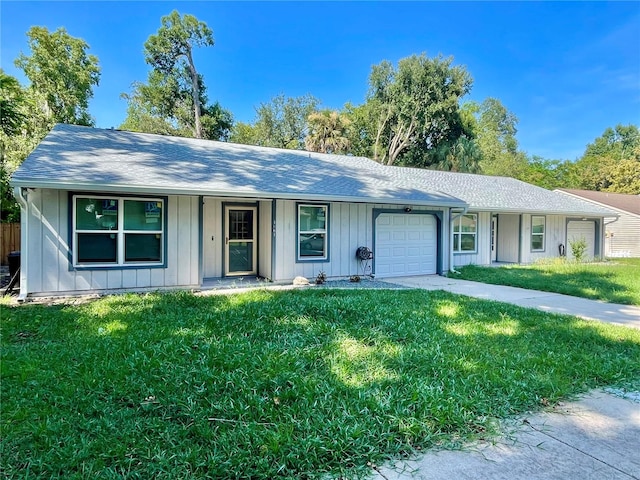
(82, 158)
(76, 158)
(483, 192)
(622, 201)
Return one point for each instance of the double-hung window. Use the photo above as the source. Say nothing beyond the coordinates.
(111, 231)
(312, 232)
(465, 229)
(537, 233)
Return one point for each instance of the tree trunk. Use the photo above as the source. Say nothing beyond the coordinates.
(400, 142)
(195, 93)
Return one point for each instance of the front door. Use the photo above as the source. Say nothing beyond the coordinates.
(240, 240)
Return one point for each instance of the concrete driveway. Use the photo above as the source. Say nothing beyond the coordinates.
(549, 302)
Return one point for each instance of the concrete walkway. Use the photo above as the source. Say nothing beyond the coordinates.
(595, 438)
(549, 302)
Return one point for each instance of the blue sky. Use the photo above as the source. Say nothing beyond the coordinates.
(568, 70)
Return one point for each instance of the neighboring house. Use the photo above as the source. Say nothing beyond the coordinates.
(622, 236)
(106, 210)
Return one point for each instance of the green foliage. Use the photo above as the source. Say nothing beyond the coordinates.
(611, 163)
(170, 53)
(62, 74)
(302, 384)
(416, 109)
(282, 122)
(327, 132)
(12, 101)
(614, 281)
(578, 249)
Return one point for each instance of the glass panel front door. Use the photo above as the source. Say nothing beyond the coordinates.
(240, 241)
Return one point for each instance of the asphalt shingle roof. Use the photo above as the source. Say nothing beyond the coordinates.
(622, 201)
(488, 193)
(75, 158)
(81, 158)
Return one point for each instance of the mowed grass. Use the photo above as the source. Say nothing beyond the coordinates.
(614, 281)
(298, 384)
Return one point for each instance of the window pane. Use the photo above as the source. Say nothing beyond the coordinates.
(468, 223)
(537, 225)
(142, 215)
(456, 243)
(141, 247)
(96, 214)
(240, 257)
(467, 242)
(312, 218)
(537, 242)
(97, 247)
(312, 245)
(240, 224)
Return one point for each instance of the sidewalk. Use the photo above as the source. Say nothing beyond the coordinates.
(549, 302)
(597, 437)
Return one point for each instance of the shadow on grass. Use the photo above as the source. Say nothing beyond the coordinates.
(593, 284)
(288, 384)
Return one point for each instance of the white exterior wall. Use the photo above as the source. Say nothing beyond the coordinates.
(622, 237)
(213, 235)
(554, 233)
(482, 256)
(46, 254)
(350, 227)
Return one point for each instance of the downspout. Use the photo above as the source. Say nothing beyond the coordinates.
(20, 195)
(451, 220)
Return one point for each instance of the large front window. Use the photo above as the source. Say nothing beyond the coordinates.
(537, 233)
(118, 231)
(465, 229)
(312, 232)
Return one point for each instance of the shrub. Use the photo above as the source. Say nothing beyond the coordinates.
(578, 249)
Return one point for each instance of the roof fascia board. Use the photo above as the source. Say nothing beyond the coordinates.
(221, 193)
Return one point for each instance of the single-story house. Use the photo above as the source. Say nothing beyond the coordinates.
(108, 210)
(621, 235)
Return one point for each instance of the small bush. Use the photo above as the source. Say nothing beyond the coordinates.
(578, 249)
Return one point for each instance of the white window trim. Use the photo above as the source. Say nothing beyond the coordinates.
(459, 234)
(543, 234)
(299, 232)
(120, 232)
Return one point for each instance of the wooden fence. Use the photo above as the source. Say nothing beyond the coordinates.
(9, 240)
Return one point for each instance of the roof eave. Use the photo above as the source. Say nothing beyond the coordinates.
(575, 213)
(137, 189)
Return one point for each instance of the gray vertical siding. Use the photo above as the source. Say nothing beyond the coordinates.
(48, 253)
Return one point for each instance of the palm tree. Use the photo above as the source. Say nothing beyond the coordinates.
(327, 132)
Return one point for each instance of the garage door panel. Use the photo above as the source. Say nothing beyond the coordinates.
(582, 229)
(405, 245)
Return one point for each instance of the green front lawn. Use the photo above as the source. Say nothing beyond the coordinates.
(614, 281)
(297, 384)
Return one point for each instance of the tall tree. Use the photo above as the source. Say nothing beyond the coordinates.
(416, 108)
(610, 163)
(327, 132)
(164, 106)
(171, 49)
(282, 122)
(62, 75)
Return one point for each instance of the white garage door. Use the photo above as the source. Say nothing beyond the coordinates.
(582, 229)
(405, 245)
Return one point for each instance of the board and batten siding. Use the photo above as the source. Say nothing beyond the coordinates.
(350, 226)
(47, 261)
(482, 255)
(213, 241)
(622, 238)
(554, 236)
